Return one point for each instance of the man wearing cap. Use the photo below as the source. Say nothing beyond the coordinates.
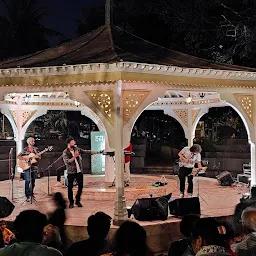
(29, 188)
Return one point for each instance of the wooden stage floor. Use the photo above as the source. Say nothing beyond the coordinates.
(216, 201)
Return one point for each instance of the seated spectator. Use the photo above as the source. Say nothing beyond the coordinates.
(248, 245)
(183, 246)
(206, 238)
(58, 217)
(98, 227)
(51, 237)
(228, 235)
(28, 227)
(7, 234)
(1, 240)
(130, 240)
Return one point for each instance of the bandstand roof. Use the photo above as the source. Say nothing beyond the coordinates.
(109, 44)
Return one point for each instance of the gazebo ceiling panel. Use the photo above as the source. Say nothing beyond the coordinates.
(109, 44)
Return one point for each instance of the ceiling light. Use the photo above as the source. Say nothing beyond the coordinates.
(189, 99)
(26, 99)
(77, 103)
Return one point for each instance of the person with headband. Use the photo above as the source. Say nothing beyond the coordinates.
(29, 190)
(189, 156)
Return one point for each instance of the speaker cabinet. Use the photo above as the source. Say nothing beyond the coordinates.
(184, 206)
(6, 207)
(150, 209)
(225, 179)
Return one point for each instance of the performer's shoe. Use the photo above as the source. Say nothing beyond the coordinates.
(181, 195)
(71, 206)
(27, 199)
(190, 194)
(79, 204)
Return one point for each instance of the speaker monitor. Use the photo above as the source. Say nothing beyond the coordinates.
(151, 208)
(225, 179)
(6, 207)
(184, 206)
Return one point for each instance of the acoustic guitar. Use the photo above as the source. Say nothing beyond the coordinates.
(26, 162)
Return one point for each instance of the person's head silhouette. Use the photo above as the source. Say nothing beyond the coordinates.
(130, 239)
(29, 226)
(98, 225)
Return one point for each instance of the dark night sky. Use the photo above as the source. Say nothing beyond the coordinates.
(63, 13)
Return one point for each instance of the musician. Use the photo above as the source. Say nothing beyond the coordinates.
(127, 161)
(73, 161)
(188, 157)
(29, 190)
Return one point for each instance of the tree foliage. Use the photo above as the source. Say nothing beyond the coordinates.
(21, 30)
(220, 30)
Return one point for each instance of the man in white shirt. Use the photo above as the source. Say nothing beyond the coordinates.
(29, 226)
(189, 156)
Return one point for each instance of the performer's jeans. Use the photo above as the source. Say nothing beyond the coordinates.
(183, 173)
(80, 182)
(29, 186)
(127, 173)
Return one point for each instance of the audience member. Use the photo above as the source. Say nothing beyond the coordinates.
(58, 217)
(130, 240)
(183, 247)
(29, 226)
(7, 234)
(98, 227)
(206, 238)
(228, 235)
(248, 245)
(51, 237)
(1, 240)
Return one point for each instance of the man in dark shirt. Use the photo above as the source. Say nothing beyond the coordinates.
(73, 161)
(98, 228)
(32, 171)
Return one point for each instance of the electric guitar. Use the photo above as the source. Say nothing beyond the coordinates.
(26, 162)
(196, 171)
(183, 163)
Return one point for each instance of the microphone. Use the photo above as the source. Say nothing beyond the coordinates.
(11, 151)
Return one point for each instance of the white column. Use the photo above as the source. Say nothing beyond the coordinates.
(20, 133)
(120, 211)
(190, 132)
(109, 169)
(253, 159)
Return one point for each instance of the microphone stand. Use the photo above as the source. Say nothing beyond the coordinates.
(11, 173)
(49, 172)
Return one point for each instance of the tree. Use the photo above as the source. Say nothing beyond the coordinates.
(221, 30)
(21, 29)
(92, 18)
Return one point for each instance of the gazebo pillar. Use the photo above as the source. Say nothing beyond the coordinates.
(253, 160)
(190, 130)
(120, 211)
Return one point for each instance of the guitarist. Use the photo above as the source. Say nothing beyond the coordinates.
(188, 157)
(33, 167)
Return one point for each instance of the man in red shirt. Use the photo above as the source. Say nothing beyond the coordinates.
(127, 160)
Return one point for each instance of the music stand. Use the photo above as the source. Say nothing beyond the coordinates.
(112, 154)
